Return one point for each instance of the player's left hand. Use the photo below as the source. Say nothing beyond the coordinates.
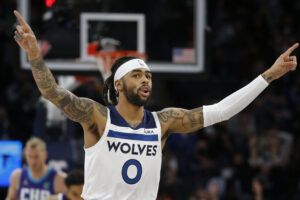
(284, 63)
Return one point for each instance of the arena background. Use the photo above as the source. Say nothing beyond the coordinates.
(242, 39)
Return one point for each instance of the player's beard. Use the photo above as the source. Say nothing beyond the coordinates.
(134, 98)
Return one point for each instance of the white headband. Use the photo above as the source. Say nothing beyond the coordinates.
(128, 67)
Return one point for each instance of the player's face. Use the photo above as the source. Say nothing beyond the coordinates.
(137, 86)
(74, 192)
(35, 158)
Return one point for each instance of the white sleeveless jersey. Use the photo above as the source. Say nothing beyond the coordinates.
(125, 163)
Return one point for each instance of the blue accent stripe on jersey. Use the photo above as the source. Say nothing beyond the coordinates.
(37, 181)
(132, 136)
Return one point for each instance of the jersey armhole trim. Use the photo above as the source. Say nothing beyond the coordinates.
(157, 124)
(105, 132)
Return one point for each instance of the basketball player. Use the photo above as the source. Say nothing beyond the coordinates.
(37, 181)
(123, 141)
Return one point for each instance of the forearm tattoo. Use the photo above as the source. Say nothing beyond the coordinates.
(75, 108)
(42, 75)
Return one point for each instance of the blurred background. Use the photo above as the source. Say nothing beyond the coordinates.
(254, 154)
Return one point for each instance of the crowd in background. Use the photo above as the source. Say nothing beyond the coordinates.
(253, 156)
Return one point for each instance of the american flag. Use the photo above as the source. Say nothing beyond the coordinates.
(184, 55)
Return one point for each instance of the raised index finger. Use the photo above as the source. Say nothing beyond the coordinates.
(291, 49)
(20, 18)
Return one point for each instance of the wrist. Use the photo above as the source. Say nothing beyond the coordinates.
(267, 75)
(32, 55)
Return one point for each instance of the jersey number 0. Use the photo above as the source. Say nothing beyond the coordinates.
(125, 167)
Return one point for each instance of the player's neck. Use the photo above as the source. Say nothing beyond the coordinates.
(37, 174)
(130, 112)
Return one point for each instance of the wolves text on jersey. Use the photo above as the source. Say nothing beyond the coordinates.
(134, 149)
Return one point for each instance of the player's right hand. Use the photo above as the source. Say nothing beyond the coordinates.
(284, 63)
(25, 38)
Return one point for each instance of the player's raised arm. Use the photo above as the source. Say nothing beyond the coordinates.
(175, 120)
(77, 109)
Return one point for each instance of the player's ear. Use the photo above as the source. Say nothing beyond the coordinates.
(119, 85)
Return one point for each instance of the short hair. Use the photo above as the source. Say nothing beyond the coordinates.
(35, 142)
(75, 177)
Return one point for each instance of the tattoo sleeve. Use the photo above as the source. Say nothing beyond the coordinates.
(42, 75)
(180, 120)
(75, 108)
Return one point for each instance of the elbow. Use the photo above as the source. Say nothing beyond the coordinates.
(45, 95)
(50, 96)
(214, 114)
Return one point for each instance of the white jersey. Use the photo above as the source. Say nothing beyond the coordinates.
(125, 163)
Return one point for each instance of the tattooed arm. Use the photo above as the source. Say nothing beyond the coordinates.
(174, 120)
(90, 114)
(177, 120)
(77, 109)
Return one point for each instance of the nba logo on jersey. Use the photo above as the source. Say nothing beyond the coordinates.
(147, 131)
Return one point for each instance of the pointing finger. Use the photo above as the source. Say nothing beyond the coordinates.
(20, 18)
(291, 49)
